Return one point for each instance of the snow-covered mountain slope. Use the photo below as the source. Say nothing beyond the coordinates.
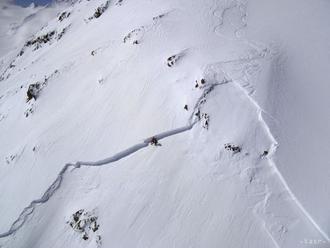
(18, 23)
(235, 92)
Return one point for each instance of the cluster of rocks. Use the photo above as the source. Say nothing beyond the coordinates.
(203, 117)
(172, 60)
(63, 16)
(233, 148)
(37, 42)
(34, 43)
(30, 109)
(10, 159)
(60, 34)
(133, 33)
(237, 149)
(35, 88)
(158, 17)
(205, 120)
(264, 154)
(33, 91)
(100, 10)
(200, 83)
(119, 2)
(85, 222)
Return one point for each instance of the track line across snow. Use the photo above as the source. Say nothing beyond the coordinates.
(19, 222)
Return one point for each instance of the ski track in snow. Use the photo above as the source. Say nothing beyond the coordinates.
(27, 211)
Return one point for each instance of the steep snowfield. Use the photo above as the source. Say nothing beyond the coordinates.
(109, 82)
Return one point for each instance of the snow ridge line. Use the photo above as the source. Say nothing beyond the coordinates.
(27, 211)
(273, 164)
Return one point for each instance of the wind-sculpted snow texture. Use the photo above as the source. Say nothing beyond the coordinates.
(230, 80)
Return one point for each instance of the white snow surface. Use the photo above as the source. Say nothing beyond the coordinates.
(106, 89)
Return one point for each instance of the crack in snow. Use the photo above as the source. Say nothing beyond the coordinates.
(273, 164)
